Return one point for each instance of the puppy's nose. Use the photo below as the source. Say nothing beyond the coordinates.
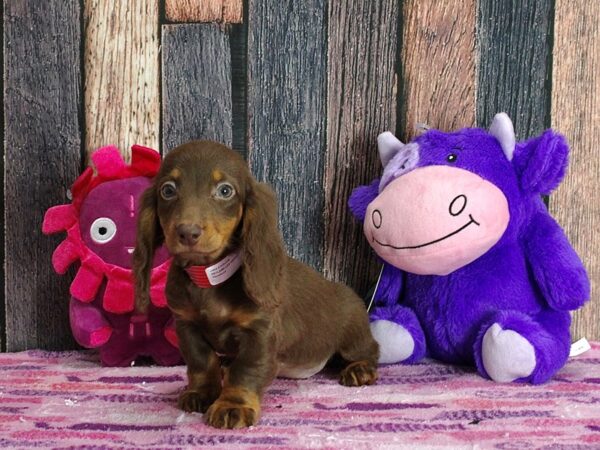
(188, 234)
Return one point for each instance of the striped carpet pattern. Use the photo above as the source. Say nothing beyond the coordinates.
(67, 401)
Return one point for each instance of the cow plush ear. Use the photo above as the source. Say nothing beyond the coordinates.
(541, 162)
(361, 197)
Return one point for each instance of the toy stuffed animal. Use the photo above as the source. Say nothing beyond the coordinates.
(475, 269)
(101, 227)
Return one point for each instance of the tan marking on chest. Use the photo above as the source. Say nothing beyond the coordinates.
(243, 319)
(186, 314)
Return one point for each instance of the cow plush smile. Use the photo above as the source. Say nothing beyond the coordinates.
(472, 221)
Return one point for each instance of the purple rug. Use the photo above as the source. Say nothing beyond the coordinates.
(66, 400)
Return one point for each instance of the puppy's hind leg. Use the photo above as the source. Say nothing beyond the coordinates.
(360, 350)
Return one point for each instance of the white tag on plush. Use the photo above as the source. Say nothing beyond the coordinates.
(370, 306)
(579, 347)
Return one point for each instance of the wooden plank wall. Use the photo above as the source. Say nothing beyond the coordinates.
(226, 11)
(515, 67)
(122, 104)
(301, 89)
(437, 65)
(576, 113)
(361, 102)
(286, 114)
(42, 151)
(196, 84)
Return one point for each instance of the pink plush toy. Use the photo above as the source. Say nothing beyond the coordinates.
(101, 225)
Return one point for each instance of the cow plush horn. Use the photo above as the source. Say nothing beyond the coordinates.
(502, 129)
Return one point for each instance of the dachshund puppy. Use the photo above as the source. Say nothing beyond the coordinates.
(245, 312)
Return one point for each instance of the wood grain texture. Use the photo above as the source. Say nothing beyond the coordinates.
(225, 11)
(121, 74)
(196, 84)
(361, 103)
(42, 100)
(515, 65)
(286, 115)
(576, 113)
(437, 68)
(238, 41)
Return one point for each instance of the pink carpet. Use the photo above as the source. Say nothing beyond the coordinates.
(65, 400)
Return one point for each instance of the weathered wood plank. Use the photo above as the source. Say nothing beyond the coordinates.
(286, 114)
(515, 46)
(361, 103)
(2, 225)
(437, 69)
(196, 84)
(121, 74)
(225, 11)
(576, 113)
(238, 37)
(42, 100)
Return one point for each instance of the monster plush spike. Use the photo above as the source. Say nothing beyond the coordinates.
(100, 224)
(476, 271)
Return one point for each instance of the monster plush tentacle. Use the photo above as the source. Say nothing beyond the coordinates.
(100, 226)
(482, 268)
(90, 327)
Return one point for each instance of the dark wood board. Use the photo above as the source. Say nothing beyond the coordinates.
(286, 115)
(515, 63)
(361, 103)
(238, 37)
(196, 84)
(576, 114)
(42, 117)
(2, 227)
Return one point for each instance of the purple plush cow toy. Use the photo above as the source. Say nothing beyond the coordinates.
(475, 269)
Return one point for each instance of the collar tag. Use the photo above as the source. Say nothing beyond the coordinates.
(218, 273)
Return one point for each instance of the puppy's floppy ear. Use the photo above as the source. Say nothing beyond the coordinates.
(148, 238)
(262, 247)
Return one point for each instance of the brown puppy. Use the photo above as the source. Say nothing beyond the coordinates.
(272, 316)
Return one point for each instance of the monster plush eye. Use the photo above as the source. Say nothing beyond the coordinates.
(103, 230)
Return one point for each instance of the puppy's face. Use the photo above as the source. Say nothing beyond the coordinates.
(200, 193)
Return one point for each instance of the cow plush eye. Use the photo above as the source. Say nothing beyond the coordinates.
(451, 158)
(168, 190)
(224, 191)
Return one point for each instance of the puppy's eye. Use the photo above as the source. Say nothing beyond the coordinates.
(168, 190)
(451, 158)
(224, 191)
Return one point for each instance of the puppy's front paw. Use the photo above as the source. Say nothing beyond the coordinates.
(194, 401)
(358, 374)
(236, 408)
